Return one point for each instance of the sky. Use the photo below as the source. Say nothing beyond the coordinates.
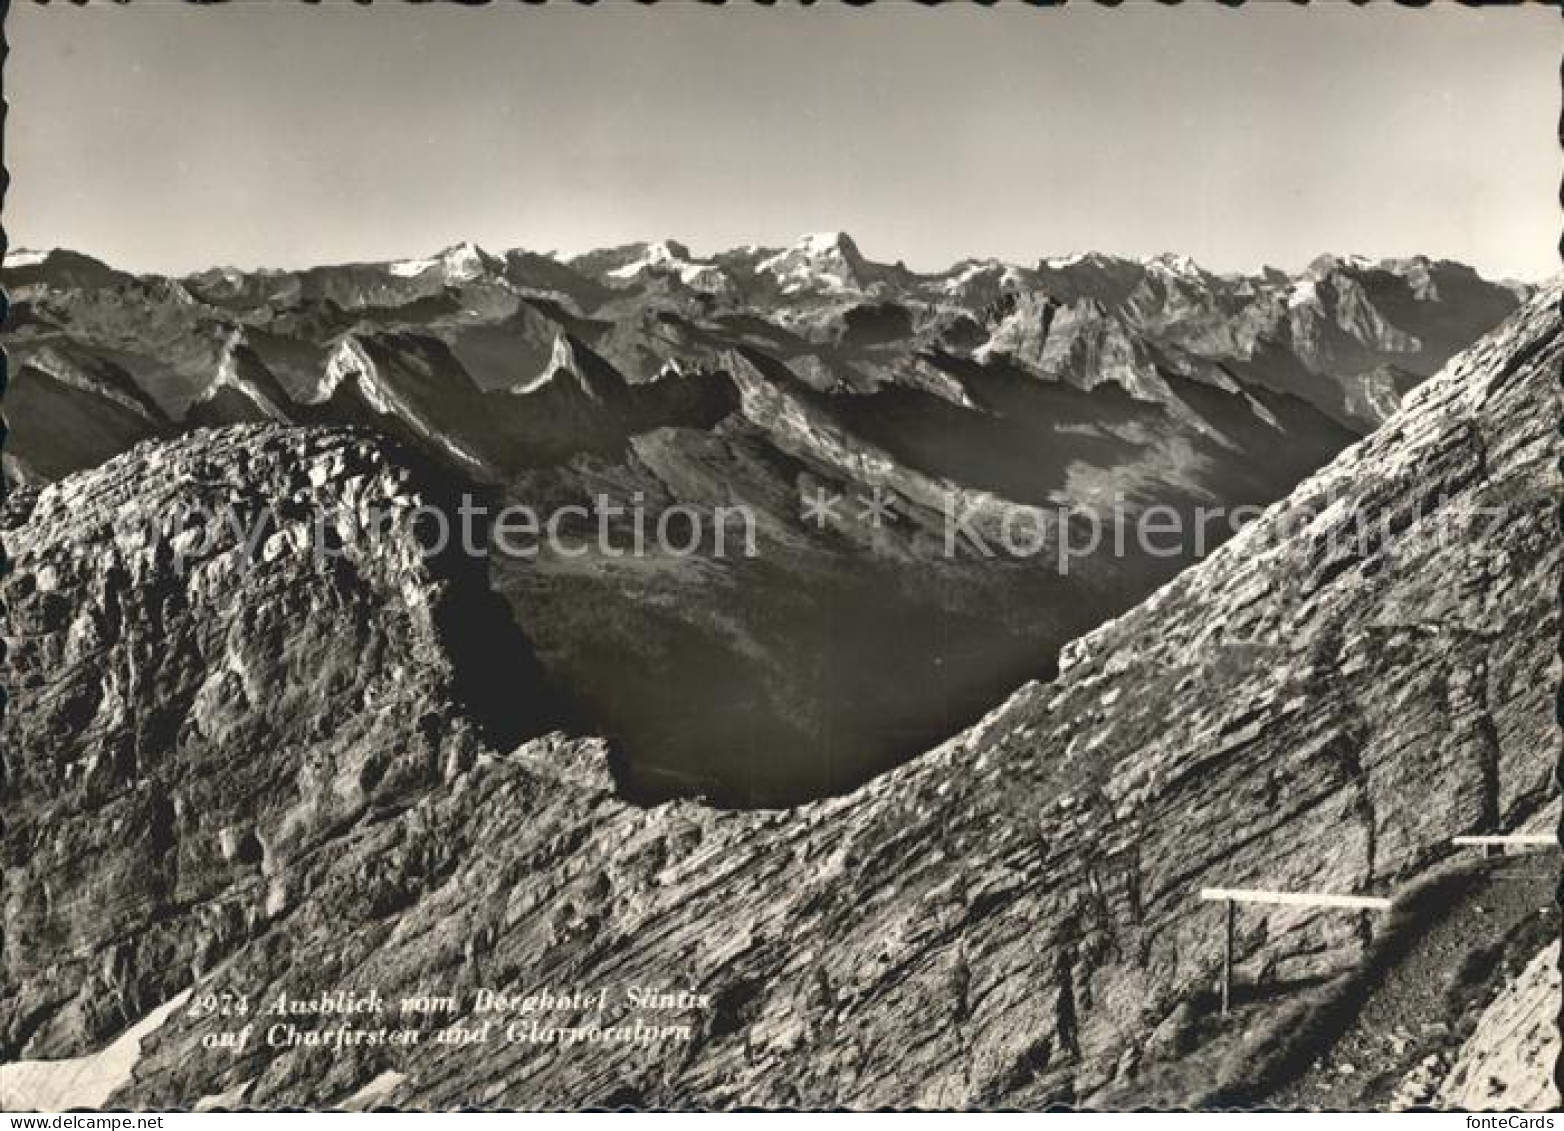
(170, 137)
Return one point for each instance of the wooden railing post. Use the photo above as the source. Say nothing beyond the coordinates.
(1227, 956)
(1232, 897)
(1494, 844)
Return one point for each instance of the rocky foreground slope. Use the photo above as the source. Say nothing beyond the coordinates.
(284, 781)
(203, 678)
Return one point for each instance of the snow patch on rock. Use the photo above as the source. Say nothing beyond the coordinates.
(22, 257)
(81, 1081)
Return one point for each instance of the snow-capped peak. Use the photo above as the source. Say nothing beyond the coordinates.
(1324, 264)
(458, 263)
(1059, 261)
(969, 269)
(971, 272)
(465, 260)
(1084, 259)
(22, 257)
(672, 257)
(828, 260)
(1179, 266)
(819, 247)
(826, 243)
(664, 253)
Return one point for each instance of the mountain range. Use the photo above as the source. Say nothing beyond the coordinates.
(1085, 389)
(282, 777)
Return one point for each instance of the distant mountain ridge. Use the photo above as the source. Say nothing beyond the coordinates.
(1347, 335)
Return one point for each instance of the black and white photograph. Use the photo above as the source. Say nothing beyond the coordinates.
(829, 557)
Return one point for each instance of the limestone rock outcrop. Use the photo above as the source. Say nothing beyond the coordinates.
(213, 662)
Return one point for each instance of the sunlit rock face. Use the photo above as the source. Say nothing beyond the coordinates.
(1510, 1062)
(221, 667)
